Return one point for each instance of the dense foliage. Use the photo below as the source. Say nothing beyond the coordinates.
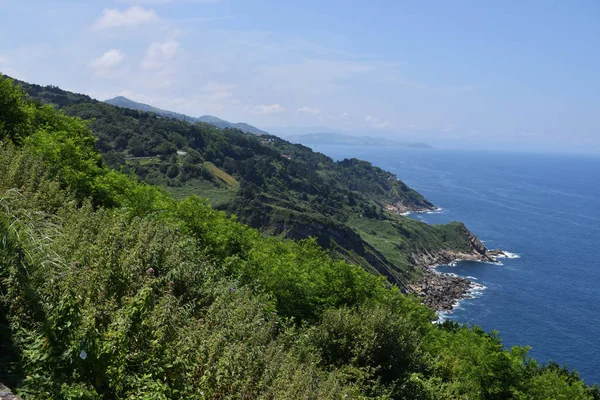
(112, 289)
(268, 183)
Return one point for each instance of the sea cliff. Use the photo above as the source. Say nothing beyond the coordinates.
(440, 291)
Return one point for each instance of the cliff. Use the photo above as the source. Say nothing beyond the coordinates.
(441, 291)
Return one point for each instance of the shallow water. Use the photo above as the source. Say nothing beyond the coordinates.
(543, 208)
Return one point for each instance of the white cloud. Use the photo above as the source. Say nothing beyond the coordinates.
(106, 61)
(160, 53)
(3, 60)
(130, 18)
(377, 123)
(269, 109)
(308, 110)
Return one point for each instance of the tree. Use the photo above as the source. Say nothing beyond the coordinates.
(15, 112)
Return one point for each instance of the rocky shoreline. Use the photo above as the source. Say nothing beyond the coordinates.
(440, 291)
(403, 209)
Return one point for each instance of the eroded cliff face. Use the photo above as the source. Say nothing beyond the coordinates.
(438, 291)
(345, 243)
(477, 246)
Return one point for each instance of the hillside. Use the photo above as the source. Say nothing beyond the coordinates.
(351, 207)
(351, 140)
(121, 101)
(112, 289)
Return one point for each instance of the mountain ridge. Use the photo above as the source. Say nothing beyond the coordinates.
(121, 101)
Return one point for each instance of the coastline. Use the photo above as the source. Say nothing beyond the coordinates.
(435, 210)
(443, 291)
(404, 210)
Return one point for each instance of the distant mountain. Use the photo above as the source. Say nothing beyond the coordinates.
(221, 123)
(287, 131)
(349, 140)
(124, 102)
(121, 101)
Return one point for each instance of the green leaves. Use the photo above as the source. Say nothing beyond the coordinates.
(15, 112)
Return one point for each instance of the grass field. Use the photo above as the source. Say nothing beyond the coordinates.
(217, 196)
(222, 175)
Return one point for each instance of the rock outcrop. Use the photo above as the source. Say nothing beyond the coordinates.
(402, 208)
(6, 394)
(441, 291)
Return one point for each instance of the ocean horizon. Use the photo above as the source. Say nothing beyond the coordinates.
(544, 211)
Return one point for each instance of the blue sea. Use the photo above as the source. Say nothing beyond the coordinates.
(544, 208)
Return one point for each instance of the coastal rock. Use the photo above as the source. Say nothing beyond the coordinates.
(401, 208)
(441, 291)
(477, 245)
(496, 253)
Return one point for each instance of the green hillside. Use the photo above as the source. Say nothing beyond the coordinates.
(112, 289)
(283, 189)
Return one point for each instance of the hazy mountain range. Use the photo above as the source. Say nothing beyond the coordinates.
(121, 101)
(322, 138)
(350, 140)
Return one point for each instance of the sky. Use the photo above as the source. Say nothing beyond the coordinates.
(506, 74)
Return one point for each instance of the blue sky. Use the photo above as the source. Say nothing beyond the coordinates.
(476, 74)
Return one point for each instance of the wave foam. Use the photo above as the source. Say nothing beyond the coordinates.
(508, 254)
(438, 210)
(476, 290)
(435, 211)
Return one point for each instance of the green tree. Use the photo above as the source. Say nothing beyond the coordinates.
(15, 112)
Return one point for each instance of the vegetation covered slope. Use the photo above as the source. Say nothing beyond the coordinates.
(112, 289)
(270, 184)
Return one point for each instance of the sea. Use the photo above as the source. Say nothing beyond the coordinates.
(544, 210)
